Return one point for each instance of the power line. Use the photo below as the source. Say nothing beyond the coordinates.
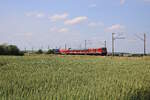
(113, 42)
(144, 41)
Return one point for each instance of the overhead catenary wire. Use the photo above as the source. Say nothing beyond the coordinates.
(113, 41)
(144, 41)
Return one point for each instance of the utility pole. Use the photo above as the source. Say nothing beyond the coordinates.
(144, 40)
(80, 46)
(113, 44)
(25, 49)
(32, 49)
(48, 47)
(85, 44)
(105, 43)
(144, 44)
(65, 46)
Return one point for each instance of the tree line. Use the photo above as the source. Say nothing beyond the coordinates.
(10, 50)
(50, 51)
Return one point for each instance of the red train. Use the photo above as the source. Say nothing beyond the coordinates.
(95, 51)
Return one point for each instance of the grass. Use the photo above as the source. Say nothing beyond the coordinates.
(49, 77)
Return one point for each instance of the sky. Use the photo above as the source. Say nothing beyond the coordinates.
(40, 24)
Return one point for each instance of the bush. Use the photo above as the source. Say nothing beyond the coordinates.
(50, 51)
(13, 50)
(2, 49)
(21, 53)
(137, 55)
(10, 50)
(40, 51)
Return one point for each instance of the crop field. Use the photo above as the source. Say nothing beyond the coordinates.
(51, 77)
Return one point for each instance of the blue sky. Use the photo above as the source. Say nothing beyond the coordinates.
(43, 23)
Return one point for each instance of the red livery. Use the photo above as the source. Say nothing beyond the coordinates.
(97, 51)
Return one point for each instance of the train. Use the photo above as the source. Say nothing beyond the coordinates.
(90, 51)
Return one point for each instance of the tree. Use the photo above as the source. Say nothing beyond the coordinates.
(13, 50)
(40, 51)
(10, 50)
(2, 49)
(50, 51)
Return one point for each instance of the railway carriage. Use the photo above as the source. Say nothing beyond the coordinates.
(92, 51)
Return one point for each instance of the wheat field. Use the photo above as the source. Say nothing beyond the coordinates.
(63, 77)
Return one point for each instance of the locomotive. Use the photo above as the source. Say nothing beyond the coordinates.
(92, 51)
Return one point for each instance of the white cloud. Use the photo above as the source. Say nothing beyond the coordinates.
(122, 2)
(115, 28)
(59, 30)
(92, 5)
(35, 14)
(57, 17)
(76, 20)
(95, 24)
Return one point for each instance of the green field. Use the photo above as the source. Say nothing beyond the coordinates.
(50, 77)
